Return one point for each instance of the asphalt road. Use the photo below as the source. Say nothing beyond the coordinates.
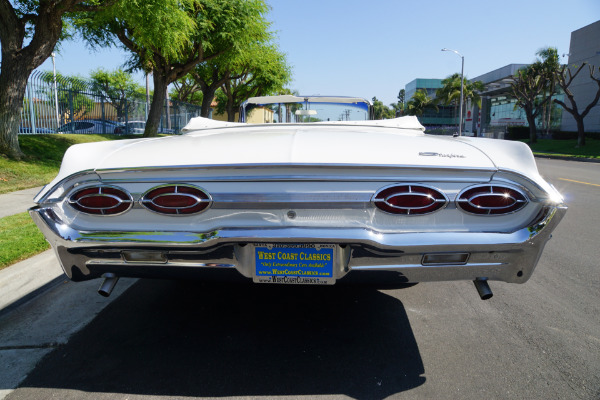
(167, 340)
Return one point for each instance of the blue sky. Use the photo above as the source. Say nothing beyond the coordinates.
(374, 48)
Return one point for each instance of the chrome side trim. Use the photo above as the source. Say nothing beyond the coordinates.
(51, 190)
(278, 166)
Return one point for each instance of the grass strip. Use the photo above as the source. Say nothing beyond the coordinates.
(19, 239)
(566, 148)
(43, 155)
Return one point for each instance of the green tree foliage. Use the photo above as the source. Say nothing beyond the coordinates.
(564, 78)
(29, 32)
(209, 76)
(254, 70)
(401, 96)
(260, 70)
(533, 87)
(420, 102)
(381, 111)
(187, 90)
(171, 37)
(396, 109)
(401, 105)
(116, 87)
(449, 93)
(551, 64)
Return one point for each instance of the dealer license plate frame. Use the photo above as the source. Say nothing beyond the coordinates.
(295, 263)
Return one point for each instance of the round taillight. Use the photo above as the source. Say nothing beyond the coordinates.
(491, 200)
(176, 200)
(409, 199)
(101, 200)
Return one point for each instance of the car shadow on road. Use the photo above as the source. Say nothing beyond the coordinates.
(175, 338)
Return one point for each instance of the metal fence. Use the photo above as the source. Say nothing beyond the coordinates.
(71, 105)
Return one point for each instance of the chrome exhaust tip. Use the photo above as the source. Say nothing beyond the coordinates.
(483, 288)
(108, 284)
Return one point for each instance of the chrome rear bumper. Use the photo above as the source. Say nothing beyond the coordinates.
(509, 257)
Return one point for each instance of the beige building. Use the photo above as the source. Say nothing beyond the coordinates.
(259, 115)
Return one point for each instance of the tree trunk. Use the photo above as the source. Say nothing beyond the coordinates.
(532, 127)
(230, 109)
(207, 98)
(208, 94)
(157, 105)
(19, 61)
(13, 83)
(580, 130)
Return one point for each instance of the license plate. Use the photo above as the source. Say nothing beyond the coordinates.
(301, 264)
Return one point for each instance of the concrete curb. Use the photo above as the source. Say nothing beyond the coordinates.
(566, 158)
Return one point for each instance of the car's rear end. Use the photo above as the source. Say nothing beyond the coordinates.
(205, 203)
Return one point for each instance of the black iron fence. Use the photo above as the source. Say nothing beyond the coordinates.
(71, 105)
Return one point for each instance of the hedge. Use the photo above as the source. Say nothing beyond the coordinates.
(522, 133)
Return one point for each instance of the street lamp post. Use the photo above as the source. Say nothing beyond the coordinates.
(462, 79)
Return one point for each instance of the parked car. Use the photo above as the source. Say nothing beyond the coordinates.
(138, 127)
(313, 203)
(27, 129)
(91, 126)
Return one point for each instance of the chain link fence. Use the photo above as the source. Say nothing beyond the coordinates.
(72, 105)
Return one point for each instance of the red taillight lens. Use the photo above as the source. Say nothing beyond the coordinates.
(101, 200)
(491, 200)
(410, 200)
(176, 200)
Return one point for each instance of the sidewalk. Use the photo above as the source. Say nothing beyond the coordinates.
(17, 202)
(40, 308)
(23, 280)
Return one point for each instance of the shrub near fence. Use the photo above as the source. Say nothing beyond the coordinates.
(517, 133)
(522, 133)
(562, 135)
(50, 105)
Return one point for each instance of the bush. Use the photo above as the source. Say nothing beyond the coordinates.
(560, 135)
(517, 133)
(522, 133)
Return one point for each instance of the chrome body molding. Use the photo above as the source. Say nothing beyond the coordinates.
(509, 257)
(269, 173)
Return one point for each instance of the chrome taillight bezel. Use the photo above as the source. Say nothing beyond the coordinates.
(124, 202)
(149, 204)
(464, 200)
(381, 199)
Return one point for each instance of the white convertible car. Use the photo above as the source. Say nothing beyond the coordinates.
(322, 199)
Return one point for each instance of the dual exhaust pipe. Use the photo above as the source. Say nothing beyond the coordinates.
(108, 284)
(110, 281)
(483, 288)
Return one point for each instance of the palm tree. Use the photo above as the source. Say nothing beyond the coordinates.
(449, 93)
(550, 66)
(419, 102)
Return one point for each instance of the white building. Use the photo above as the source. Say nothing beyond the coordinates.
(584, 47)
